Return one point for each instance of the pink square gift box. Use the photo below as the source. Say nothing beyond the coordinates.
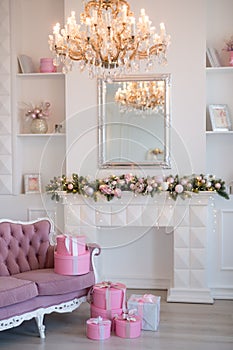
(71, 245)
(72, 265)
(148, 308)
(108, 295)
(98, 328)
(128, 326)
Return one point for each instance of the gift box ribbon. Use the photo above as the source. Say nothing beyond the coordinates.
(146, 298)
(108, 285)
(71, 244)
(130, 315)
(75, 265)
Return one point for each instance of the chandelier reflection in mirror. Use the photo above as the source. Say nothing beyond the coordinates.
(108, 41)
(141, 96)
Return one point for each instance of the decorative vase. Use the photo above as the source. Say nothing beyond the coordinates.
(231, 58)
(39, 126)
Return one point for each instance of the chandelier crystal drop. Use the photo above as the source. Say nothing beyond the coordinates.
(108, 42)
(144, 96)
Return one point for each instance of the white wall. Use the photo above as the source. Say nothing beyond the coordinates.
(186, 64)
(185, 21)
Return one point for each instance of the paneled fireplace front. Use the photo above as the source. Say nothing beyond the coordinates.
(187, 220)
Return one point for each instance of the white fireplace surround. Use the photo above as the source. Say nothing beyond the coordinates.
(187, 219)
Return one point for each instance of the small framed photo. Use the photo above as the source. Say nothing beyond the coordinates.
(32, 183)
(25, 64)
(219, 117)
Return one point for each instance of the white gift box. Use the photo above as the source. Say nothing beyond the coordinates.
(148, 308)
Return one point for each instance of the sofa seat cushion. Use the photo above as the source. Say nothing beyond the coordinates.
(13, 290)
(50, 283)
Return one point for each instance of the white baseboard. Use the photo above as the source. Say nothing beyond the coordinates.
(222, 293)
(197, 296)
(139, 282)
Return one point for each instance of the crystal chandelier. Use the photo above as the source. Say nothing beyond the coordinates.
(141, 96)
(108, 41)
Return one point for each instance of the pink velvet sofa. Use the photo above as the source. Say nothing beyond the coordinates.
(29, 287)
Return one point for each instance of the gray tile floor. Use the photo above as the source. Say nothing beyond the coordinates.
(182, 326)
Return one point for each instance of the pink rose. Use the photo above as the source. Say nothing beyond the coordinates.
(70, 187)
(105, 189)
(128, 177)
(117, 192)
(217, 186)
(132, 187)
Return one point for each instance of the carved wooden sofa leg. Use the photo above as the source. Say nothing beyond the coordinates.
(41, 327)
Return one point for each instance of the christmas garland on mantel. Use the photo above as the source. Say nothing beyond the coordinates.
(112, 186)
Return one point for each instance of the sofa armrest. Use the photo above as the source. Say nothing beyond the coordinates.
(95, 250)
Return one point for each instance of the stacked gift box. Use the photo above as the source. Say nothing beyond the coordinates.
(108, 299)
(71, 256)
(108, 302)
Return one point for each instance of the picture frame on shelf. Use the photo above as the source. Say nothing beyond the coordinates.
(25, 64)
(220, 117)
(32, 183)
(212, 57)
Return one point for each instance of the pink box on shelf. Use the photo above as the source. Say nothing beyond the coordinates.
(98, 328)
(72, 265)
(108, 295)
(71, 245)
(47, 66)
(148, 308)
(128, 326)
(107, 314)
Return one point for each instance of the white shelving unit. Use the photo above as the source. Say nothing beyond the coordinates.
(43, 135)
(37, 153)
(219, 85)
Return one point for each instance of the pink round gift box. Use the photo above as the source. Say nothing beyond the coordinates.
(107, 314)
(115, 295)
(72, 265)
(46, 65)
(94, 331)
(61, 247)
(128, 329)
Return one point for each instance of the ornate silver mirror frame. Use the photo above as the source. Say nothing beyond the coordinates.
(133, 137)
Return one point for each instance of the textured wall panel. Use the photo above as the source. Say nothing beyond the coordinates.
(5, 101)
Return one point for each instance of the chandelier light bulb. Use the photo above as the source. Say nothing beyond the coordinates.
(141, 97)
(109, 42)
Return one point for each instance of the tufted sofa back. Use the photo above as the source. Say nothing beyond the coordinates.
(24, 246)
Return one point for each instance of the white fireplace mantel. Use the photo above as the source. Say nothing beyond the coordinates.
(187, 218)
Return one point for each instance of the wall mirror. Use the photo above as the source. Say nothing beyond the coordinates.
(134, 121)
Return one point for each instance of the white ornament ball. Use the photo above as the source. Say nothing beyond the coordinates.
(179, 188)
(89, 191)
(164, 186)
